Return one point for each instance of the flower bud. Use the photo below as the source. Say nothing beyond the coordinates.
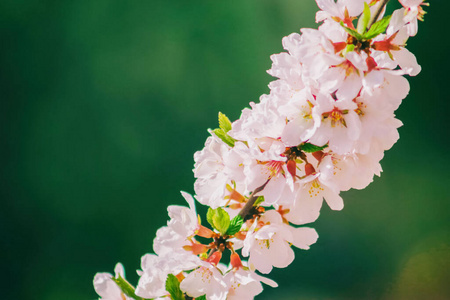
(204, 232)
(235, 261)
(214, 259)
(240, 235)
(309, 169)
(196, 248)
(292, 167)
(318, 155)
(180, 276)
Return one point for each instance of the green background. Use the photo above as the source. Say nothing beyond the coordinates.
(105, 102)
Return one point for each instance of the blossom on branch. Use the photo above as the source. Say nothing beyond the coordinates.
(321, 130)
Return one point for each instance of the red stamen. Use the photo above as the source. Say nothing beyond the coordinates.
(275, 167)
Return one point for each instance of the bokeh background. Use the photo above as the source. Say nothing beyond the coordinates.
(104, 103)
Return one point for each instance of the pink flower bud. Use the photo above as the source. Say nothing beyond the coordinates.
(292, 167)
(214, 259)
(309, 169)
(318, 155)
(196, 248)
(204, 232)
(235, 261)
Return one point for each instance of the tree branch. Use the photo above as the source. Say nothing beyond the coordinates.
(377, 13)
(248, 206)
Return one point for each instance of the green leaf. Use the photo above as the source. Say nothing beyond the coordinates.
(219, 219)
(259, 200)
(235, 225)
(364, 19)
(126, 287)
(221, 133)
(201, 298)
(377, 28)
(351, 32)
(209, 217)
(349, 48)
(224, 123)
(310, 148)
(173, 287)
(224, 137)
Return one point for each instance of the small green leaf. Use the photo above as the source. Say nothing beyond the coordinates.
(235, 225)
(364, 19)
(224, 123)
(201, 298)
(221, 133)
(173, 287)
(224, 137)
(377, 28)
(126, 287)
(351, 32)
(259, 200)
(209, 217)
(349, 48)
(221, 220)
(310, 148)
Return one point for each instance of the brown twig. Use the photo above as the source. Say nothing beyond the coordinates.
(377, 13)
(248, 206)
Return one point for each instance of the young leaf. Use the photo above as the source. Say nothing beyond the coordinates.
(209, 217)
(364, 19)
(259, 200)
(224, 123)
(201, 298)
(126, 287)
(377, 28)
(224, 137)
(349, 48)
(351, 32)
(221, 220)
(173, 287)
(310, 148)
(235, 225)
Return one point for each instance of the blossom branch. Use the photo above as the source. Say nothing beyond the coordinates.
(346, 131)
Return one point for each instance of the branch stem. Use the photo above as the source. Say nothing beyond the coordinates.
(248, 206)
(377, 12)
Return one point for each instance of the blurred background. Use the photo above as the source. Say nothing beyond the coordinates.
(105, 102)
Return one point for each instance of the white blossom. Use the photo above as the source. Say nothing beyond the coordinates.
(106, 288)
(205, 280)
(155, 270)
(245, 284)
(269, 246)
(322, 129)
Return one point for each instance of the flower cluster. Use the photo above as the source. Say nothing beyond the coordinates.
(322, 129)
